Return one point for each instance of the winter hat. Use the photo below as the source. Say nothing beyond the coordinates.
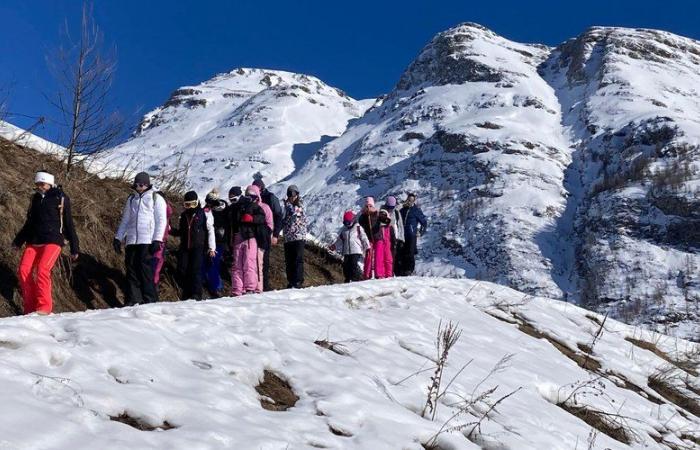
(252, 190)
(235, 191)
(349, 216)
(293, 188)
(191, 196)
(390, 201)
(142, 178)
(259, 183)
(369, 201)
(44, 177)
(212, 196)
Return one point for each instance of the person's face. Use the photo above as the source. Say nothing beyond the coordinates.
(291, 195)
(191, 204)
(42, 187)
(411, 200)
(140, 187)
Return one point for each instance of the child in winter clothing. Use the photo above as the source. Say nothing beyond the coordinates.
(264, 234)
(247, 228)
(211, 270)
(352, 243)
(197, 241)
(385, 241)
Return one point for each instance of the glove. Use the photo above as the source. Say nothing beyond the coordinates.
(117, 244)
(154, 247)
(246, 218)
(421, 231)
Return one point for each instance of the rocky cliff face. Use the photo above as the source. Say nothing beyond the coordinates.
(568, 172)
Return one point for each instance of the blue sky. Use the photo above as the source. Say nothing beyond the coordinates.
(359, 46)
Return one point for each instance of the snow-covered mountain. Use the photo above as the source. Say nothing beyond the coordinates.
(569, 172)
(223, 131)
(25, 138)
(346, 367)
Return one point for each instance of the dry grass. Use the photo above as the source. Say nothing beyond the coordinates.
(600, 421)
(663, 383)
(139, 424)
(275, 393)
(685, 362)
(97, 279)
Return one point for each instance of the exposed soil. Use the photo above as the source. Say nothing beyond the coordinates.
(276, 394)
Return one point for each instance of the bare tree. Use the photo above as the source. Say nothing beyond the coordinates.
(84, 72)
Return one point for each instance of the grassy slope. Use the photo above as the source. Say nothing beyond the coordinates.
(97, 280)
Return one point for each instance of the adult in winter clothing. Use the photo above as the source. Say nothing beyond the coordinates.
(352, 243)
(384, 243)
(294, 229)
(415, 224)
(212, 266)
(142, 229)
(248, 228)
(197, 241)
(234, 196)
(48, 225)
(369, 221)
(264, 234)
(273, 202)
(159, 256)
(397, 225)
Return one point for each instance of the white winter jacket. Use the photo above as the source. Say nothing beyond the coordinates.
(397, 223)
(144, 218)
(352, 241)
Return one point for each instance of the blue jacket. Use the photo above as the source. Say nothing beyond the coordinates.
(412, 217)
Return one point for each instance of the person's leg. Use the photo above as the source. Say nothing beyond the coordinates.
(289, 263)
(266, 270)
(197, 256)
(299, 264)
(217, 282)
(25, 274)
(133, 281)
(261, 270)
(237, 267)
(410, 255)
(158, 260)
(389, 261)
(251, 269)
(369, 256)
(347, 268)
(379, 256)
(145, 272)
(356, 274)
(46, 258)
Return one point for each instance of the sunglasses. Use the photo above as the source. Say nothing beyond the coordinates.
(234, 199)
(191, 204)
(141, 185)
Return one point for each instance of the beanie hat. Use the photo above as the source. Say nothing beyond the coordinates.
(293, 188)
(212, 196)
(391, 201)
(44, 177)
(142, 178)
(191, 196)
(259, 183)
(252, 190)
(349, 216)
(369, 201)
(235, 191)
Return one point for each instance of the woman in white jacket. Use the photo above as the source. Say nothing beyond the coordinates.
(142, 227)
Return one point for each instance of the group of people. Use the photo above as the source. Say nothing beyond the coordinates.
(213, 234)
(385, 239)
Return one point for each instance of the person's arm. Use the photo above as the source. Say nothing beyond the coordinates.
(21, 236)
(69, 227)
(160, 211)
(211, 237)
(422, 220)
(126, 218)
(364, 239)
(277, 215)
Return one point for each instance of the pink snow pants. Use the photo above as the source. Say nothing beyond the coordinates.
(383, 259)
(246, 272)
(368, 266)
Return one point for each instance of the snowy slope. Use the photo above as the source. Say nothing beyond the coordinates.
(23, 137)
(527, 161)
(194, 367)
(223, 131)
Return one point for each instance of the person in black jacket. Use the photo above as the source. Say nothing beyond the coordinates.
(197, 241)
(415, 224)
(212, 266)
(275, 205)
(48, 225)
(246, 231)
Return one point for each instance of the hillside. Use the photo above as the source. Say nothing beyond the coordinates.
(225, 130)
(347, 367)
(97, 280)
(568, 172)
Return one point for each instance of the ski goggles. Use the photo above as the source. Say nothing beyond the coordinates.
(234, 199)
(141, 185)
(191, 204)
